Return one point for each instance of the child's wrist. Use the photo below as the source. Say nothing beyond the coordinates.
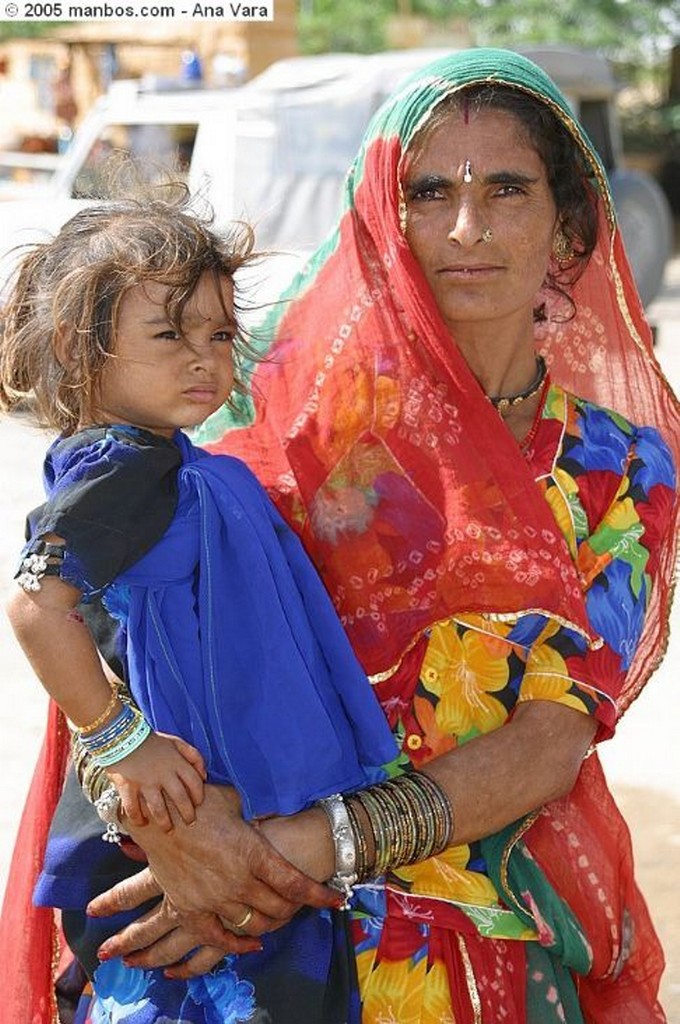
(112, 709)
(119, 738)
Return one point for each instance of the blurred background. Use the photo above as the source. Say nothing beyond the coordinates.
(264, 118)
(52, 72)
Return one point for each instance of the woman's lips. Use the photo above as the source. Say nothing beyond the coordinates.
(470, 270)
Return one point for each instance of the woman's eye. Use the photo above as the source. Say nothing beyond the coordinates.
(226, 335)
(424, 195)
(168, 335)
(510, 190)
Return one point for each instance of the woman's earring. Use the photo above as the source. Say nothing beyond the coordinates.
(487, 235)
(402, 211)
(562, 248)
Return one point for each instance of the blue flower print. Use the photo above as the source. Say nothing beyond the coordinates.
(121, 992)
(658, 462)
(604, 440)
(614, 612)
(224, 997)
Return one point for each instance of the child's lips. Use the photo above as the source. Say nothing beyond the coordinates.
(201, 393)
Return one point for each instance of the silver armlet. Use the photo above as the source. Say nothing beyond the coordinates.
(345, 845)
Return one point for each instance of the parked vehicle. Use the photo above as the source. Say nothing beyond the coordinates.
(275, 151)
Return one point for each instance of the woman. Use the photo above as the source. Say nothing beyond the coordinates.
(493, 544)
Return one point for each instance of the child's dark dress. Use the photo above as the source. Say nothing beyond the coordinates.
(202, 599)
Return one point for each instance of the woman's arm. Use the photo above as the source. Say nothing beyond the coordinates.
(490, 781)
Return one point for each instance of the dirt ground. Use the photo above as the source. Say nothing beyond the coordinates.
(654, 820)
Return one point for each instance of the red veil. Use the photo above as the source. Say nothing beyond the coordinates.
(375, 438)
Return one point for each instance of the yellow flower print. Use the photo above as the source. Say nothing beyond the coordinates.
(547, 678)
(446, 876)
(392, 993)
(463, 674)
(436, 1007)
(365, 960)
(622, 515)
(544, 658)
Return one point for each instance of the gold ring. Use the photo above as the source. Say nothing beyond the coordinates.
(246, 918)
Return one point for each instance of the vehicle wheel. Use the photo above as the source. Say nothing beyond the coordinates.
(647, 228)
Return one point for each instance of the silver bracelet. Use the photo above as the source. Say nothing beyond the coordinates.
(345, 845)
(107, 807)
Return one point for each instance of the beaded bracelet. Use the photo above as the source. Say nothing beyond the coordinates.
(101, 739)
(126, 745)
(123, 735)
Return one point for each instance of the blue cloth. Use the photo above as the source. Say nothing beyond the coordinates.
(233, 643)
(227, 638)
(208, 605)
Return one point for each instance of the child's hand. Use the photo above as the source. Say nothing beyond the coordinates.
(164, 772)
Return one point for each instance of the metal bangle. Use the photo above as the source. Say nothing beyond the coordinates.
(345, 845)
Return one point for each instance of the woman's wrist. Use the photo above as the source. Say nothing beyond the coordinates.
(305, 840)
(391, 824)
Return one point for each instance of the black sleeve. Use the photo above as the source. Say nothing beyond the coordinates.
(112, 493)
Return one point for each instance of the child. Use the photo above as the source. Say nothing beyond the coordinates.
(159, 565)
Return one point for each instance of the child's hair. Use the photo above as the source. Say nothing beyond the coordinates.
(75, 283)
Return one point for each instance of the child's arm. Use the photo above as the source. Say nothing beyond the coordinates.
(63, 655)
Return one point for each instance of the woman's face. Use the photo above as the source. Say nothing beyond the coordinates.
(480, 218)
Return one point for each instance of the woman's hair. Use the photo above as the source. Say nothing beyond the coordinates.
(566, 167)
(72, 286)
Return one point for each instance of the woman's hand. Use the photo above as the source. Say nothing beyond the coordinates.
(163, 937)
(221, 865)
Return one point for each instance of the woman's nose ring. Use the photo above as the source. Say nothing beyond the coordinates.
(486, 235)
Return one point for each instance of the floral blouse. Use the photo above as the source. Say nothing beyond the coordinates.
(610, 487)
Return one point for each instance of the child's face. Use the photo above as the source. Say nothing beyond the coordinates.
(160, 379)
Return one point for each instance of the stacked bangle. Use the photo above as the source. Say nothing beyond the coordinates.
(119, 738)
(92, 777)
(410, 819)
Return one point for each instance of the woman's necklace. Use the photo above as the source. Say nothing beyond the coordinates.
(529, 438)
(504, 402)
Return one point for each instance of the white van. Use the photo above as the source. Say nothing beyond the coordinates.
(275, 151)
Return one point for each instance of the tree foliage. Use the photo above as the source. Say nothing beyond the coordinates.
(353, 25)
(24, 29)
(633, 31)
